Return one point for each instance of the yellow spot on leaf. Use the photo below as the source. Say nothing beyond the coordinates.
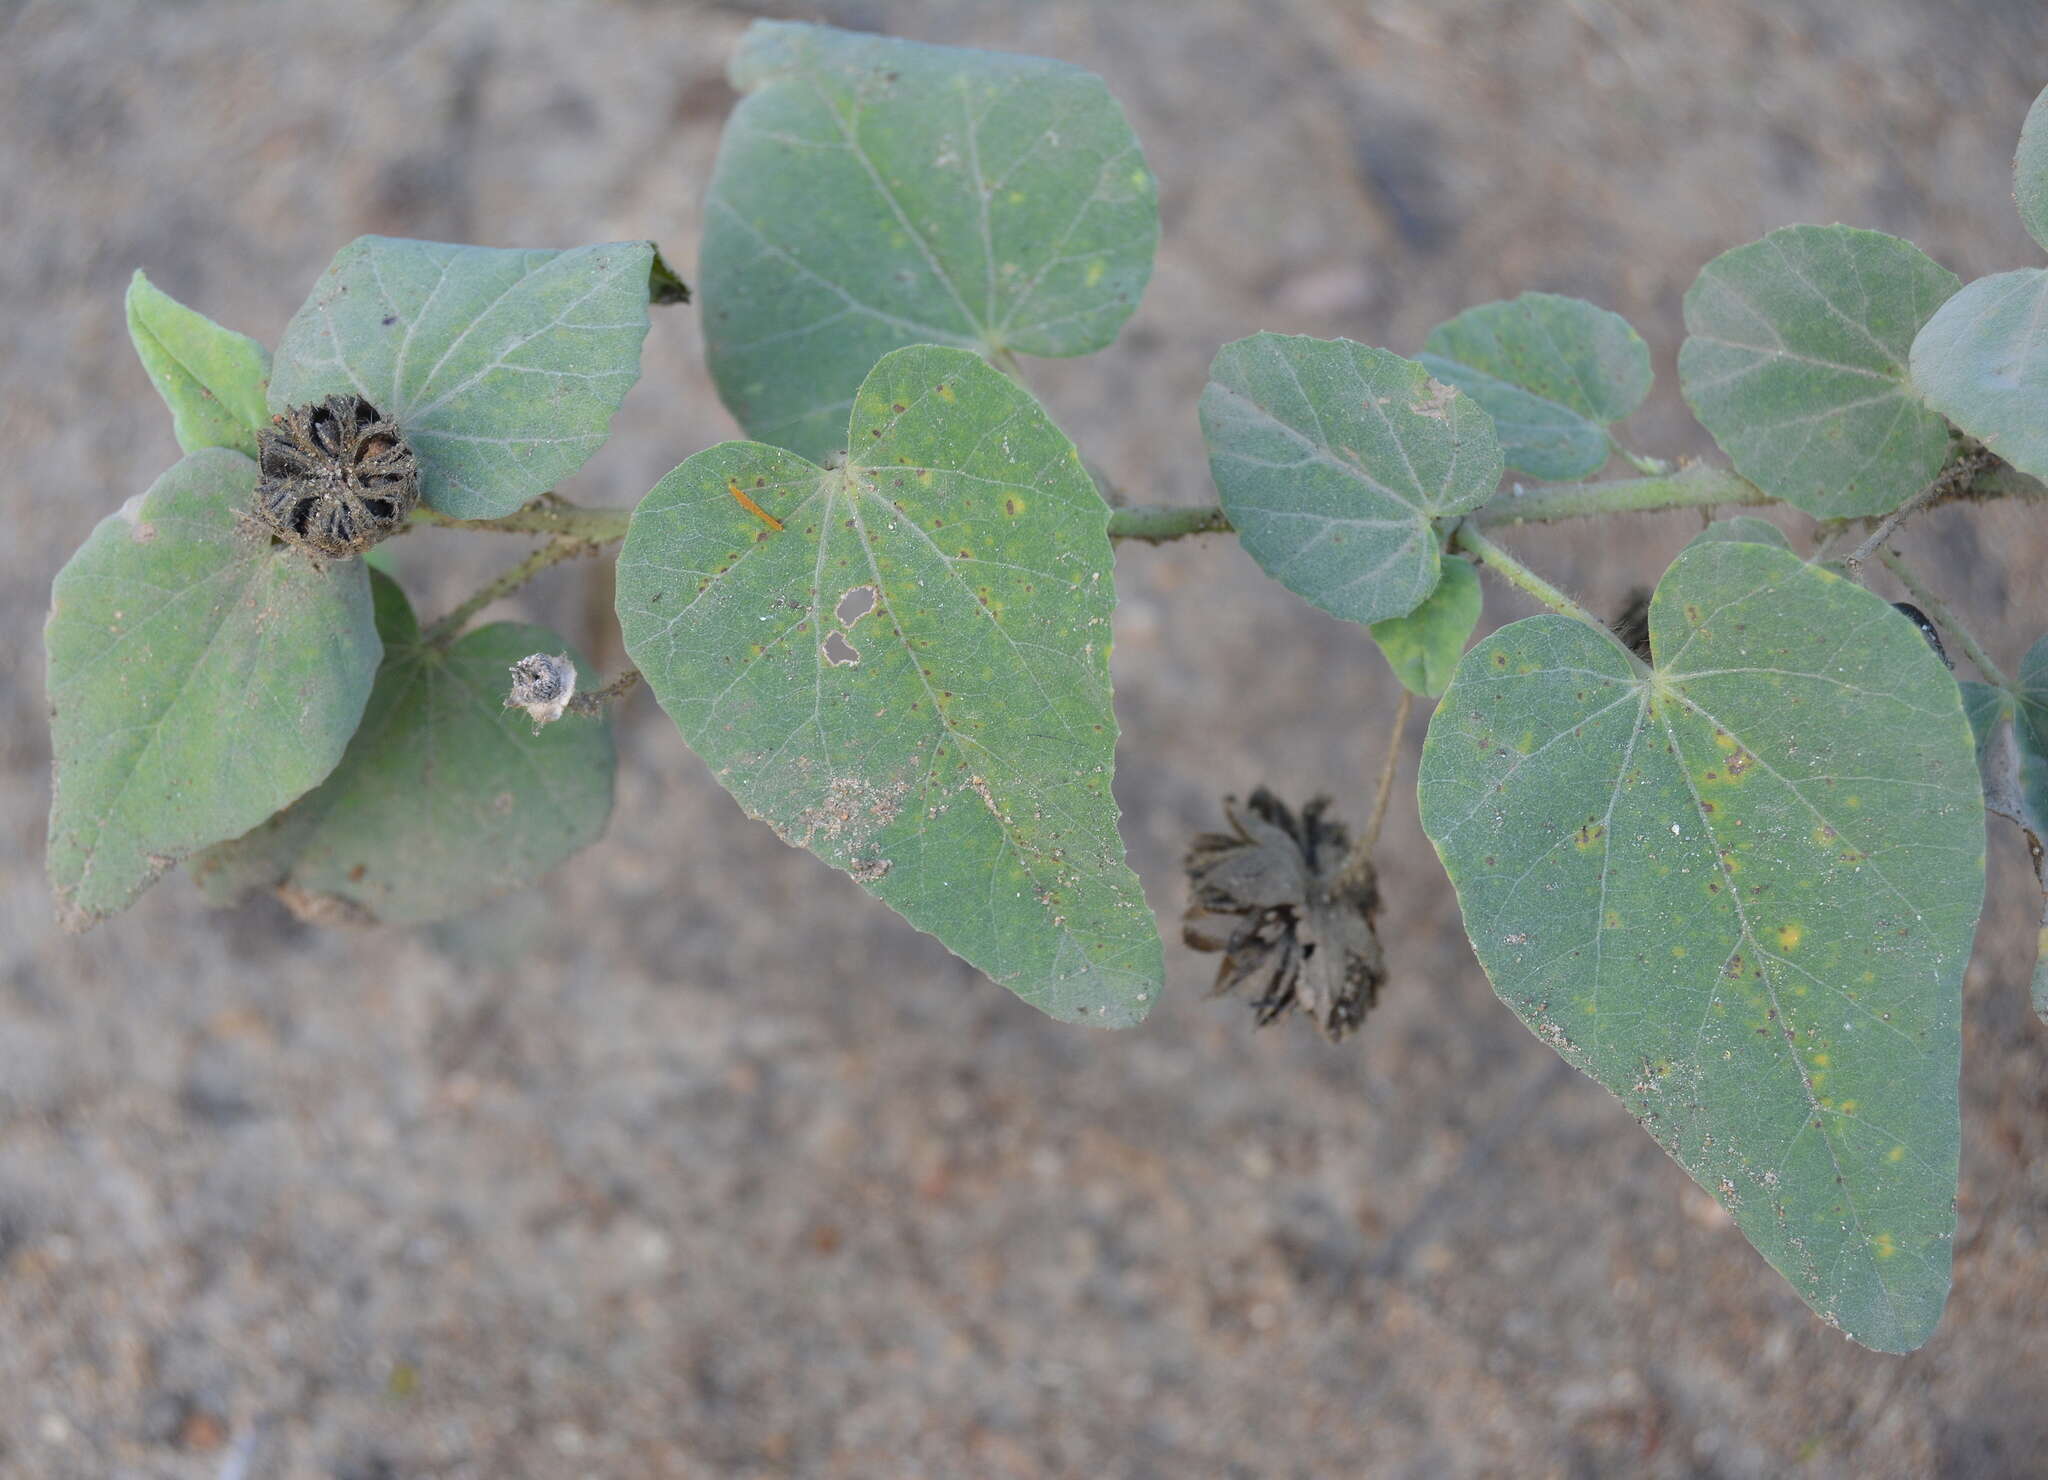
(1820, 1061)
(1723, 739)
(1095, 272)
(1678, 952)
(1884, 1245)
(1896, 1154)
(1614, 920)
(1789, 936)
(946, 393)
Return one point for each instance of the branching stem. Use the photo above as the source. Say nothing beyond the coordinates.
(1518, 575)
(554, 552)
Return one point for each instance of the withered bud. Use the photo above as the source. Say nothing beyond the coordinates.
(337, 477)
(542, 685)
(1275, 896)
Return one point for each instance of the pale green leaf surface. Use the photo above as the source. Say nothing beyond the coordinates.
(1551, 371)
(1740, 892)
(872, 193)
(1423, 647)
(502, 367)
(212, 378)
(444, 798)
(910, 677)
(201, 677)
(1741, 529)
(2030, 171)
(1333, 459)
(1795, 360)
(1982, 362)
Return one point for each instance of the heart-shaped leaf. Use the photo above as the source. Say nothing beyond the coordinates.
(502, 367)
(902, 665)
(444, 798)
(1423, 647)
(1982, 362)
(212, 378)
(1552, 372)
(1333, 461)
(201, 677)
(1796, 361)
(1739, 889)
(873, 193)
(2030, 171)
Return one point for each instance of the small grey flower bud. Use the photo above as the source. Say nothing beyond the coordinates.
(542, 686)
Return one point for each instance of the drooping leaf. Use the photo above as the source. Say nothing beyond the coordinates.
(873, 193)
(200, 679)
(502, 367)
(1742, 529)
(1423, 647)
(902, 665)
(1552, 372)
(2030, 171)
(212, 378)
(444, 798)
(1333, 461)
(1739, 889)
(1796, 361)
(1982, 362)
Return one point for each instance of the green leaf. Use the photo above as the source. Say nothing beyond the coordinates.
(1982, 362)
(201, 677)
(1741, 529)
(1552, 372)
(1423, 647)
(2030, 171)
(502, 367)
(910, 675)
(1796, 361)
(873, 193)
(1334, 459)
(1739, 890)
(212, 378)
(444, 798)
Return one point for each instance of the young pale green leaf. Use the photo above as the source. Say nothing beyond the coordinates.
(201, 677)
(873, 193)
(1744, 529)
(2030, 171)
(1552, 372)
(1982, 362)
(1333, 460)
(1739, 889)
(212, 378)
(902, 665)
(502, 367)
(444, 798)
(1423, 647)
(1795, 360)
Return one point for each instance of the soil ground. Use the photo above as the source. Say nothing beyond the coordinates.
(693, 1161)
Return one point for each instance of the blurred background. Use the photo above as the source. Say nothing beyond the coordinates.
(694, 1161)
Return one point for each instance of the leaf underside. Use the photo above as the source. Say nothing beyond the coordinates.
(873, 193)
(502, 367)
(1740, 891)
(902, 665)
(1982, 361)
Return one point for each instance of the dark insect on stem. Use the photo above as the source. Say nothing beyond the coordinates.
(1921, 620)
(337, 476)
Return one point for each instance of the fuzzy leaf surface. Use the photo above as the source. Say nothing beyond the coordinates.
(909, 676)
(1739, 890)
(213, 379)
(1423, 647)
(1982, 362)
(1333, 460)
(201, 677)
(443, 799)
(1795, 359)
(873, 193)
(2030, 171)
(1551, 371)
(503, 367)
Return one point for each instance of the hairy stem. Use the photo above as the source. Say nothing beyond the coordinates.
(1518, 575)
(1155, 524)
(1697, 486)
(618, 688)
(1943, 617)
(1359, 863)
(554, 552)
(546, 515)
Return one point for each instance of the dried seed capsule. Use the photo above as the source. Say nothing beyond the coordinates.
(337, 477)
(542, 686)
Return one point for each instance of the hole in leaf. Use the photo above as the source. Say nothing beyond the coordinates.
(854, 605)
(839, 652)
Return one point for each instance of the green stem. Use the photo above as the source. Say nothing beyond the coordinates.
(441, 633)
(1155, 524)
(1698, 486)
(1943, 617)
(1519, 576)
(544, 516)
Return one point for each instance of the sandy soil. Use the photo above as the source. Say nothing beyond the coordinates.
(693, 1162)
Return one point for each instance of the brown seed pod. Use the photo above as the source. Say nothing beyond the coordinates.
(337, 476)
